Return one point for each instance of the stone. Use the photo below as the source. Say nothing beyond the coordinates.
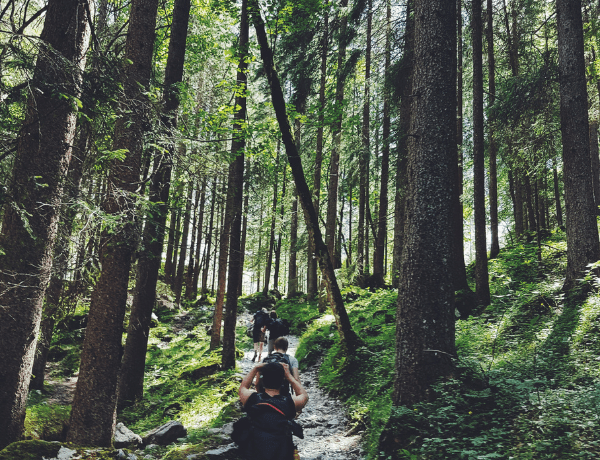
(227, 429)
(63, 454)
(227, 452)
(200, 372)
(165, 434)
(124, 437)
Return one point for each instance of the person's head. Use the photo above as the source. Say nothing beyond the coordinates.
(273, 315)
(271, 376)
(281, 343)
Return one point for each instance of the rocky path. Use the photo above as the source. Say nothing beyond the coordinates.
(326, 430)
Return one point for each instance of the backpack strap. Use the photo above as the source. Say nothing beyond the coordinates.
(271, 406)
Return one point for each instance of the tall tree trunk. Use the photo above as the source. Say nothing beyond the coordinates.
(531, 215)
(492, 149)
(193, 285)
(541, 187)
(29, 230)
(381, 237)
(259, 252)
(582, 230)
(481, 269)
(93, 415)
(189, 273)
(55, 291)
(245, 228)
(272, 228)
(236, 185)
(466, 298)
(595, 161)
(425, 317)
(515, 171)
(518, 202)
(365, 151)
(224, 238)
(312, 274)
(348, 337)
(131, 381)
(280, 236)
(292, 262)
(170, 246)
(178, 203)
(334, 164)
(404, 128)
(178, 282)
(209, 237)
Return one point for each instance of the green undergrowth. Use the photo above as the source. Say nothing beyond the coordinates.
(183, 382)
(527, 375)
(526, 384)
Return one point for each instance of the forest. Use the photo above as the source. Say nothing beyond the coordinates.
(414, 185)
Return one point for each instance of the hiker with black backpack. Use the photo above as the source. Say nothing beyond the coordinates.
(260, 320)
(277, 328)
(280, 355)
(266, 433)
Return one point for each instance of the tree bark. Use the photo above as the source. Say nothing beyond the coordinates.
(178, 281)
(237, 188)
(381, 236)
(29, 230)
(209, 237)
(582, 230)
(404, 128)
(482, 290)
(55, 292)
(334, 163)
(224, 238)
(595, 161)
(189, 273)
(280, 237)
(131, 381)
(492, 148)
(193, 285)
(233, 210)
(272, 228)
(425, 314)
(245, 229)
(93, 415)
(312, 275)
(459, 270)
(348, 337)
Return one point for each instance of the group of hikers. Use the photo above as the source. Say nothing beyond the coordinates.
(276, 399)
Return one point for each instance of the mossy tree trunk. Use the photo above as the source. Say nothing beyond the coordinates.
(93, 414)
(30, 221)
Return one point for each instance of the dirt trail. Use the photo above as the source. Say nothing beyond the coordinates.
(326, 429)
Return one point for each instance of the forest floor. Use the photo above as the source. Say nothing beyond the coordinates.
(327, 435)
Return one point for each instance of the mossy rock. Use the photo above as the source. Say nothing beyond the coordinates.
(30, 450)
(200, 372)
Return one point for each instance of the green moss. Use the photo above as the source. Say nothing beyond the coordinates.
(30, 450)
(47, 422)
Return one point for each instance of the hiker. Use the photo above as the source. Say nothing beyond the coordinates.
(266, 433)
(259, 320)
(277, 328)
(280, 355)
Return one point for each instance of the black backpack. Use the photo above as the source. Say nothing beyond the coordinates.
(279, 327)
(266, 433)
(260, 318)
(277, 357)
